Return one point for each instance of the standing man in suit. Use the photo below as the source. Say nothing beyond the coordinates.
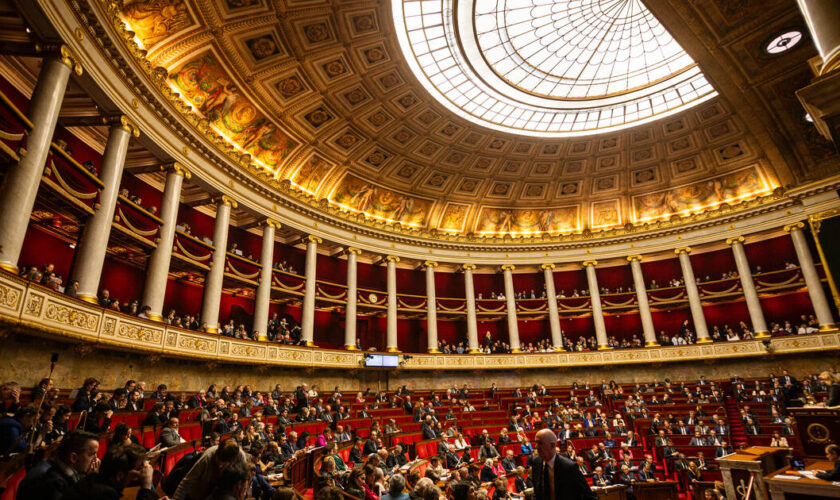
(556, 477)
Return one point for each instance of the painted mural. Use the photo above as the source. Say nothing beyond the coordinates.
(310, 175)
(453, 218)
(213, 93)
(361, 196)
(526, 221)
(605, 214)
(729, 187)
(154, 20)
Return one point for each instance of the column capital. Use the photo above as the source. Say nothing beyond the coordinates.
(353, 250)
(430, 263)
(590, 263)
(271, 222)
(225, 200)
(176, 167)
(736, 239)
(547, 265)
(313, 239)
(631, 258)
(468, 267)
(508, 267)
(681, 250)
(64, 54)
(392, 258)
(795, 226)
(124, 123)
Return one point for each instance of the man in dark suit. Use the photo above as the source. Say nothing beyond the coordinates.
(556, 477)
(832, 453)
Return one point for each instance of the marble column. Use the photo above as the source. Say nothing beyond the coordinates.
(812, 280)
(597, 308)
(352, 298)
(21, 182)
(157, 271)
(90, 255)
(263, 299)
(391, 344)
(759, 325)
(642, 299)
(431, 307)
(213, 282)
(307, 322)
(693, 293)
(510, 299)
(553, 312)
(472, 318)
(822, 17)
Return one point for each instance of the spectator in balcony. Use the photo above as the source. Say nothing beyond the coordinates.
(105, 299)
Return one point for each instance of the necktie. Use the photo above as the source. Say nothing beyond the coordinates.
(546, 483)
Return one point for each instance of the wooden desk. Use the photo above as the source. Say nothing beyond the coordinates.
(614, 492)
(803, 486)
(660, 490)
(750, 466)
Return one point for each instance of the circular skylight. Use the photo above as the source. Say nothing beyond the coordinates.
(783, 42)
(548, 67)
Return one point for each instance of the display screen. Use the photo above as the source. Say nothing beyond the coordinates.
(383, 360)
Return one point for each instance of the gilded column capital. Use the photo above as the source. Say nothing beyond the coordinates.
(468, 267)
(271, 222)
(124, 123)
(176, 167)
(795, 226)
(681, 250)
(736, 239)
(508, 267)
(354, 250)
(225, 200)
(590, 263)
(430, 263)
(631, 258)
(548, 265)
(313, 239)
(64, 54)
(392, 258)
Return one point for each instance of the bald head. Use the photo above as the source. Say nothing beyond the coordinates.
(546, 444)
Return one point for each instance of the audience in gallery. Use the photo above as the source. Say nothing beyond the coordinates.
(238, 435)
(286, 331)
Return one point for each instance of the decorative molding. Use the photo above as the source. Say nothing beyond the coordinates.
(737, 239)
(682, 250)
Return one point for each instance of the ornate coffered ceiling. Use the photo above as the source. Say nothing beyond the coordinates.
(317, 94)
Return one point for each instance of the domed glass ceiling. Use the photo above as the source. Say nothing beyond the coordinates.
(548, 67)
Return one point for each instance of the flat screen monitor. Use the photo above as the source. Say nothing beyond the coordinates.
(382, 360)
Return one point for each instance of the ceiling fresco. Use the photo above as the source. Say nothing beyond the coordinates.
(319, 94)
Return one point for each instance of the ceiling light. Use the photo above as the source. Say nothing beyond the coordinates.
(783, 42)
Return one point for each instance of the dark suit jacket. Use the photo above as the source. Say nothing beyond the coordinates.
(831, 475)
(569, 483)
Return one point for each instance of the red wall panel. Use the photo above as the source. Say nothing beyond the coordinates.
(661, 271)
(771, 254)
(614, 277)
(565, 282)
(41, 248)
(125, 282)
(712, 265)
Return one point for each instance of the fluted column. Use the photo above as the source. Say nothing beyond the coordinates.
(822, 19)
(748, 285)
(213, 283)
(472, 319)
(266, 273)
(642, 299)
(812, 279)
(20, 184)
(391, 344)
(553, 313)
(597, 308)
(510, 299)
(693, 293)
(352, 297)
(307, 322)
(90, 256)
(431, 307)
(157, 270)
